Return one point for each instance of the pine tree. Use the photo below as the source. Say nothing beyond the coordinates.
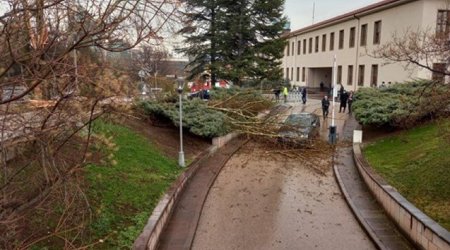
(268, 27)
(202, 35)
(235, 39)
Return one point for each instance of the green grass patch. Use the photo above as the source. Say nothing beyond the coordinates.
(125, 189)
(417, 163)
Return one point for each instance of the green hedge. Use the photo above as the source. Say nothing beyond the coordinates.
(197, 117)
(400, 105)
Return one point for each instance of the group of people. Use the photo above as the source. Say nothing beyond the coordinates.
(296, 91)
(345, 98)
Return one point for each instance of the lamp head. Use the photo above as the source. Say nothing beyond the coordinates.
(180, 82)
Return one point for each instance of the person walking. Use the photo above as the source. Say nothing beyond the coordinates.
(277, 92)
(285, 94)
(344, 99)
(325, 106)
(304, 95)
(350, 102)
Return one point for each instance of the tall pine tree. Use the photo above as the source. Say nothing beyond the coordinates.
(235, 39)
(202, 35)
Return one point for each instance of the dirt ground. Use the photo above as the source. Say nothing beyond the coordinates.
(267, 199)
(166, 138)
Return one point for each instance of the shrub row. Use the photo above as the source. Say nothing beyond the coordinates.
(401, 105)
(197, 117)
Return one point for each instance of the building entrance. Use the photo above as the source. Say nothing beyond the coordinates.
(320, 75)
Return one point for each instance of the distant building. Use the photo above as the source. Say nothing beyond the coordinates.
(308, 56)
(172, 67)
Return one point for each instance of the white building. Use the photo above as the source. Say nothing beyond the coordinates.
(308, 57)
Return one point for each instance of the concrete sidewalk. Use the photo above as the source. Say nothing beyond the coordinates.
(367, 210)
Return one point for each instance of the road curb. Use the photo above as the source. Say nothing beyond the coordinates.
(149, 238)
(213, 180)
(355, 210)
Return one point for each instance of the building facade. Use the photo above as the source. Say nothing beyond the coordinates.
(352, 37)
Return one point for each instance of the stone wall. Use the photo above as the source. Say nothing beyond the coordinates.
(161, 214)
(417, 226)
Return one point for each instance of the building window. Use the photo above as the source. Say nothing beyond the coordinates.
(438, 72)
(332, 41)
(443, 23)
(288, 50)
(341, 39)
(361, 75)
(298, 74)
(293, 47)
(324, 42)
(316, 47)
(287, 73)
(339, 75)
(303, 74)
(374, 78)
(299, 45)
(377, 32)
(292, 74)
(310, 45)
(350, 75)
(352, 37)
(364, 35)
(304, 46)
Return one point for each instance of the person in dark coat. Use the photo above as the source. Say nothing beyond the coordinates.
(344, 99)
(325, 106)
(277, 92)
(341, 91)
(350, 102)
(304, 95)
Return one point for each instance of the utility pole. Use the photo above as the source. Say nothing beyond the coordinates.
(314, 12)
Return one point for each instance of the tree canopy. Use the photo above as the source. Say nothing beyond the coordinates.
(234, 40)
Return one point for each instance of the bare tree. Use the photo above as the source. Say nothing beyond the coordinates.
(428, 51)
(52, 51)
(424, 49)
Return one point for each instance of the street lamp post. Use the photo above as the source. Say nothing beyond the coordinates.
(180, 92)
(332, 134)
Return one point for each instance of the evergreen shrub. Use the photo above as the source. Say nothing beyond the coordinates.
(401, 105)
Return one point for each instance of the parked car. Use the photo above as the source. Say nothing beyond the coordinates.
(299, 128)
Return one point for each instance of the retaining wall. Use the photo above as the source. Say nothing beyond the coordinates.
(418, 227)
(149, 238)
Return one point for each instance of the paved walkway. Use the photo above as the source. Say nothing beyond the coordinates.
(264, 200)
(181, 228)
(363, 204)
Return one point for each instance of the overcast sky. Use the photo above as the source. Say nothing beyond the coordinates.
(300, 12)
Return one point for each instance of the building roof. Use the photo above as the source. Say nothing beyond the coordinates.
(379, 6)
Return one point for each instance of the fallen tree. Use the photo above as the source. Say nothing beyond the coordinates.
(228, 110)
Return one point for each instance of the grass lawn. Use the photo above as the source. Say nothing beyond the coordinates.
(125, 189)
(417, 163)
